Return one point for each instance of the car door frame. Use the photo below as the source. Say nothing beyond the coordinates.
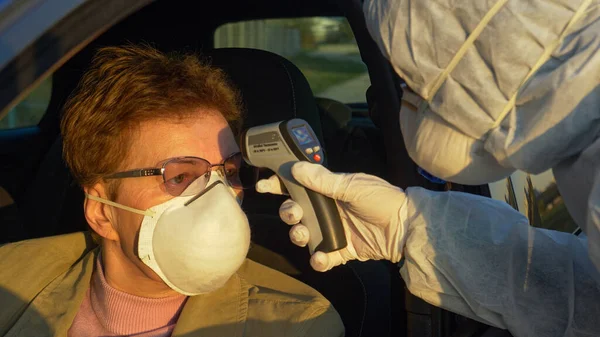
(31, 53)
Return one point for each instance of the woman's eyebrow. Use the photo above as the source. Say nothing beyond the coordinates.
(161, 162)
(181, 159)
(231, 151)
(186, 161)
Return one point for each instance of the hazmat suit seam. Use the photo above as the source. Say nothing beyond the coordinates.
(429, 93)
(548, 50)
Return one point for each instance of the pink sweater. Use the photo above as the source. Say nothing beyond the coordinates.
(106, 311)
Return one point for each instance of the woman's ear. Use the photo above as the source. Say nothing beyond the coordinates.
(98, 215)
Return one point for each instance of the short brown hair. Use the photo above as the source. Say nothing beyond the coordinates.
(130, 84)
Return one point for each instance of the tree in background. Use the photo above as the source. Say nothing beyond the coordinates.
(553, 211)
(317, 30)
(346, 31)
(533, 213)
(304, 25)
(29, 111)
(511, 198)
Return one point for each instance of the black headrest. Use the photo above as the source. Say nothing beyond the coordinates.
(334, 113)
(273, 89)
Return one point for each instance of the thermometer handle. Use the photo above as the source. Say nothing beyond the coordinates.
(330, 223)
(321, 215)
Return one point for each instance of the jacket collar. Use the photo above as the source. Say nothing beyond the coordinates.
(55, 307)
(222, 312)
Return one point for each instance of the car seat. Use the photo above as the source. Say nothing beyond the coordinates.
(274, 89)
(353, 144)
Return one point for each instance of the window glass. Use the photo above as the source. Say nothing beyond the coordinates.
(31, 109)
(323, 48)
(537, 197)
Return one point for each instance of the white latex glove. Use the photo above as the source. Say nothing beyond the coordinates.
(371, 210)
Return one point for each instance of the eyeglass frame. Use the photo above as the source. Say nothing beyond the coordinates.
(159, 171)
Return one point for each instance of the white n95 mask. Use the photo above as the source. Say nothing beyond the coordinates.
(195, 243)
(443, 150)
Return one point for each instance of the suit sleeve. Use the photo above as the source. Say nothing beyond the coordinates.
(480, 258)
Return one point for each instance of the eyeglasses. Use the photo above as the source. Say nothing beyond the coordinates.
(185, 176)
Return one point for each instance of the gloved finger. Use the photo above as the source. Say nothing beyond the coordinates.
(299, 235)
(339, 186)
(272, 185)
(290, 212)
(319, 179)
(325, 261)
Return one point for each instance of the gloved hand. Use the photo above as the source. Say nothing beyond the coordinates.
(371, 209)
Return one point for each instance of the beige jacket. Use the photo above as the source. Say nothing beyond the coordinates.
(43, 282)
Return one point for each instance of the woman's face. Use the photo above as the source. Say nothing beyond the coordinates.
(208, 137)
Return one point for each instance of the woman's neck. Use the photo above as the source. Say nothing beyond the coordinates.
(132, 277)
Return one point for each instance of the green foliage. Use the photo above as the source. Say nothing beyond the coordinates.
(317, 30)
(533, 213)
(31, 109)
(304, 25)
(553, 211)
(346, 30)
(324, 72)
(558, 218)
(511, 199)
(545, 209)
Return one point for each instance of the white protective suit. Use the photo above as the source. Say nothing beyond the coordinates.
(499, 86)
(469, 254)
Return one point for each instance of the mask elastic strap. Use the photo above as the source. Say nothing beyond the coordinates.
(117, 205)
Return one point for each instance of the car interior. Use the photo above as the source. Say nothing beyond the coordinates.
(361, 136)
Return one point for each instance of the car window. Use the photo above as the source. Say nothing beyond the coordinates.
(30, 110)
(323, 48)
(537, 197)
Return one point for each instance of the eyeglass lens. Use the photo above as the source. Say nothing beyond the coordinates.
(238, 173)
(189, 175)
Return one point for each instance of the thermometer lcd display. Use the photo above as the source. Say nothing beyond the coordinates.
(302, 135)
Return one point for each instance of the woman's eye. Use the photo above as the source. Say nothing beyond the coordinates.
(178, 179)
(230, 172)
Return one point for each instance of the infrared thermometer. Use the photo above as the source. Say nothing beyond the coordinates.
(278, 146)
